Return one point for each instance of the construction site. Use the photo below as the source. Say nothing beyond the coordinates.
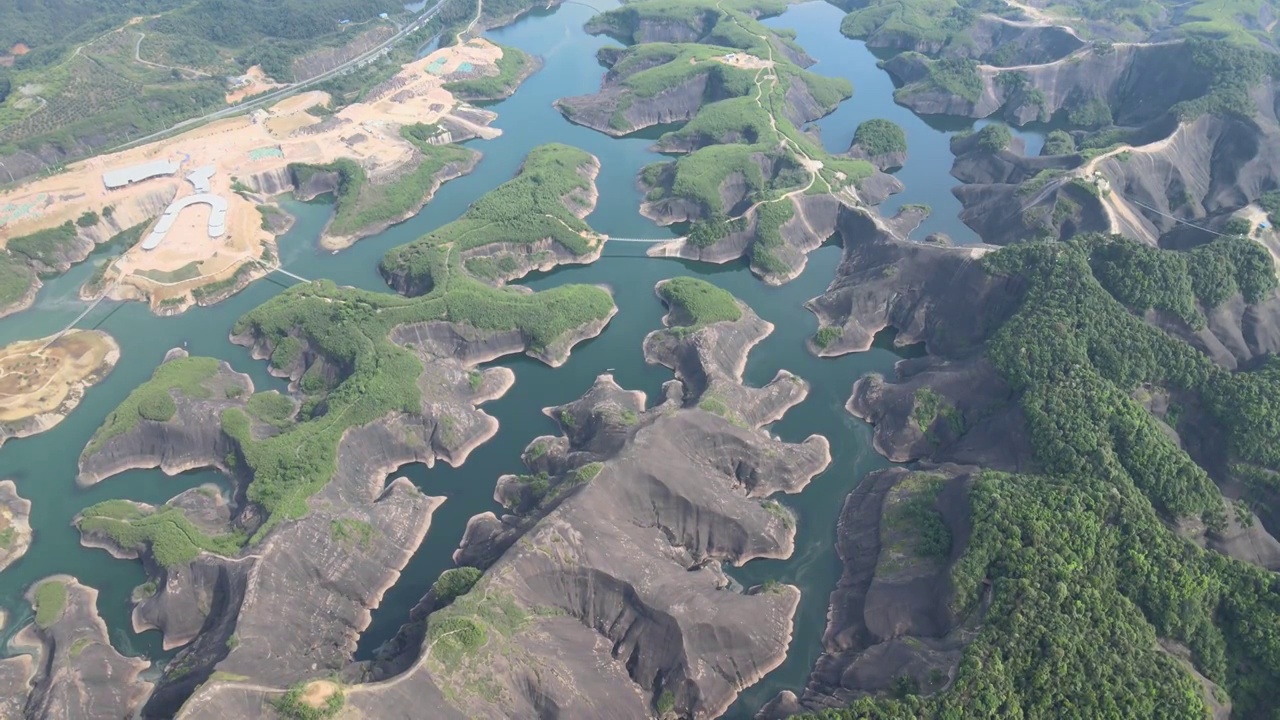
(198, 193)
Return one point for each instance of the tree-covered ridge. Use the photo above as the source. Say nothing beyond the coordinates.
(1081, 568)
(878, 136)
(732, 23)
(693, 302)
(172, 538)
(532, 207)
(361, 206)
(358, 375)
(942, 23)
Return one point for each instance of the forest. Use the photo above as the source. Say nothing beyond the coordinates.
(1090, 591)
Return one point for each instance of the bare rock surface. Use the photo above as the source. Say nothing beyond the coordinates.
(74, 671)
(604, 591)
(886, 281)
(890, 614)
(15, 528)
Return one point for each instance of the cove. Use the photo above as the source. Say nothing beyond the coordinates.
(44, 466)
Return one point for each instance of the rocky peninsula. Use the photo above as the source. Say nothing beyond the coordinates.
(15, 528)
(308, 468)
(67, 666)
(603, 589)
(41, 381)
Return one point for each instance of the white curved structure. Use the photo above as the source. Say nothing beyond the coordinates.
(121, 177)
(217, 217)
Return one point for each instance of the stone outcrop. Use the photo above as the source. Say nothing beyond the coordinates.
(1137, 82)
(1009, 197)
(890, 613)
(73, 670)
(604, 593)
(886, 281)
(15, 527)
(995, 40)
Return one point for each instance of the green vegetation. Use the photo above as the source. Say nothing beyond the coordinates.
(292, 706)
(189, 271)
(475, 622)
(50, 599)
(994, 137)
(153, 399)
(453, 583)
(694, 302)
(47, 247)
(173, 539)
(512, 66)
(347, 330)
(87, 219)
(16, 279)
(957, 76)
(1231, 71)
(912, 513)
(880, 137)
(1094, 114)
(827, 335)
(1270, 201)
(360, 206)
(351, 533)
(79, 646)
(942, 22)
(1058, 142)
(271, 408)
(1079, 565)
(1144, 278)
(666, 703)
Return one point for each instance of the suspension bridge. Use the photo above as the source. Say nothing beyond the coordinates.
(648, 241)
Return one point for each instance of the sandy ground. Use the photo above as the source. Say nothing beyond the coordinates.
(258, 84)
(35, 380)
(745, 61)
(247, 149)
(317, 692)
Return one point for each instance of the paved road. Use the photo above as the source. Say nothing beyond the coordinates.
(275, 95)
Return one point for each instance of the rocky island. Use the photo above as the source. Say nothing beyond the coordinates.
(41, 381)
(749, 182)
(603, 590)
(378, 381)
(15, 527)
(66, 666)
(1015, 428)
(381, 158)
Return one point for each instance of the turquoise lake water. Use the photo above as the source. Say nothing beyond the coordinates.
(44, 466)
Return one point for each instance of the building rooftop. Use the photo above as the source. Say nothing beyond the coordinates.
(217, 218)
(121, 177)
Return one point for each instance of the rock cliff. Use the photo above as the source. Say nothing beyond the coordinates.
(890, 613)
(74, 671)
(604, 593)
(15, 528)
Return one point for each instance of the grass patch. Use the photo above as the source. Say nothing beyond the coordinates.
(351, 533)
(827, 335)
(50, 600)
(173, 539)
(190, 271)
(16, 279)
(453, 583)
(271, 408)
(47, 247)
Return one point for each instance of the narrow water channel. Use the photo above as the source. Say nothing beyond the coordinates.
(44, 466)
